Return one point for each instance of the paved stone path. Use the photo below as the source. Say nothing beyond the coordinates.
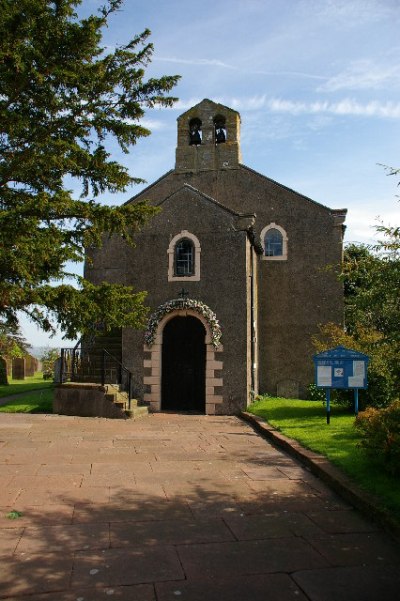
(175, 507)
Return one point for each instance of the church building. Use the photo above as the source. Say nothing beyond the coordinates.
(235, 265)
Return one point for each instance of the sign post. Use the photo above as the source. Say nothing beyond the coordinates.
(340, 368)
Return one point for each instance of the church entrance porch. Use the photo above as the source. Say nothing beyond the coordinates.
(183, 365)
(183, 359)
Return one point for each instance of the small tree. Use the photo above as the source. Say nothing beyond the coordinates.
(12, 344)
(63, 99)
(48, 359)
(371, 278)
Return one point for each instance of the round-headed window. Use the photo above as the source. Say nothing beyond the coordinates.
(184, 258)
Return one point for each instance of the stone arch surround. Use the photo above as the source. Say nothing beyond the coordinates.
(154, 364)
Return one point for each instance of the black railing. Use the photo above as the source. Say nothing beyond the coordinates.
(83, 365)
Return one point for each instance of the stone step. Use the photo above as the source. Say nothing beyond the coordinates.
(137, 412)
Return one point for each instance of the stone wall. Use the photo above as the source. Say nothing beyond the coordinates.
(84, 400)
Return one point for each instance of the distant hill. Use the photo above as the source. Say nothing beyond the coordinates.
(38, 351)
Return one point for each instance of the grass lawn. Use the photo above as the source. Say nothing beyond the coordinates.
(40, 401)
(305, 421)
(32, 383)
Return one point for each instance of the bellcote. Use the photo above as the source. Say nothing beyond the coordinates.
(208, 138)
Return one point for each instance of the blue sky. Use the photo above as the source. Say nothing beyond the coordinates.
(317, 84)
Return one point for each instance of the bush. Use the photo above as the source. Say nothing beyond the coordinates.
(315, 394)
(380, 430)
(383, 372)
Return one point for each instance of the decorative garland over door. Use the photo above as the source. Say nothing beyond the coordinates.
(183, 303)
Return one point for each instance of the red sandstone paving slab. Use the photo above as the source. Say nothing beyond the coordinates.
(129, 469)
(152, 494)
(214, 509)
(9, 496)
(5, 481)
(89, 494)
(48, 482)
(209, 561)
(273, 525)
(23, 574)
(169, 532)
(15, 469)
(341, 521)
(63, 538)
(82, 469)
(133, 442)
(282, 488)
(264, 473)
(9, 539)
(142, 511)
(22, 444)
(359, 583)
(115, 456)
(111, 480)
(37, 458)
(94, 445)
(126, 566)
(295, 472)
(138, 592)
(37, 515)
(358, 549)
(270, 587)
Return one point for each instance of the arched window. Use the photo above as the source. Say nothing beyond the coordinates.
(274, 241)
(184, 258)
(219, 129)
(195, 133)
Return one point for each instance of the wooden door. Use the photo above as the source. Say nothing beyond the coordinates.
(183, 365)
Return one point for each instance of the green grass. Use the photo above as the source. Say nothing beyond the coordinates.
(35, 402)
(305, 421)
(32, 383)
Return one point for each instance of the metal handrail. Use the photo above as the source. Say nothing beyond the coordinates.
(71, 366)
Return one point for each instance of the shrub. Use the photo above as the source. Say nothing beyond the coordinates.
(383, 372)
(315, 394)
(380, 430)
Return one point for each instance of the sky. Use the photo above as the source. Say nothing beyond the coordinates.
(316, 82)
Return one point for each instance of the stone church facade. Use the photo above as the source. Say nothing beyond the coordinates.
(235, 265)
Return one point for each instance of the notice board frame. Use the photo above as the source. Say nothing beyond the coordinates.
(341, 368)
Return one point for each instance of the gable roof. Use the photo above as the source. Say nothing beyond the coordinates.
(210, 103)
(206, 197)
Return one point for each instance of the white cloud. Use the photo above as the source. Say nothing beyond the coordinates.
(347, 106)
(152, 124)
(352, 13)
(195, 61)
(362, 75)
(362, 222)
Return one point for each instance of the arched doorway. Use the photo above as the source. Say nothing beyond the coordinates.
(183, 365)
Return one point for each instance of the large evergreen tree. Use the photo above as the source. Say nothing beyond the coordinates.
(63, 98)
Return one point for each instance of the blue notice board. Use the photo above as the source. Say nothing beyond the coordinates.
(341, 367)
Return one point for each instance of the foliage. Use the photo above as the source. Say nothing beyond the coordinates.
(64, 99)
(371, 279)
(12, 343)
(383, 383)
(184, 303)
(339, 441)
(315, 393)
(48, 359)
(380, 429)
